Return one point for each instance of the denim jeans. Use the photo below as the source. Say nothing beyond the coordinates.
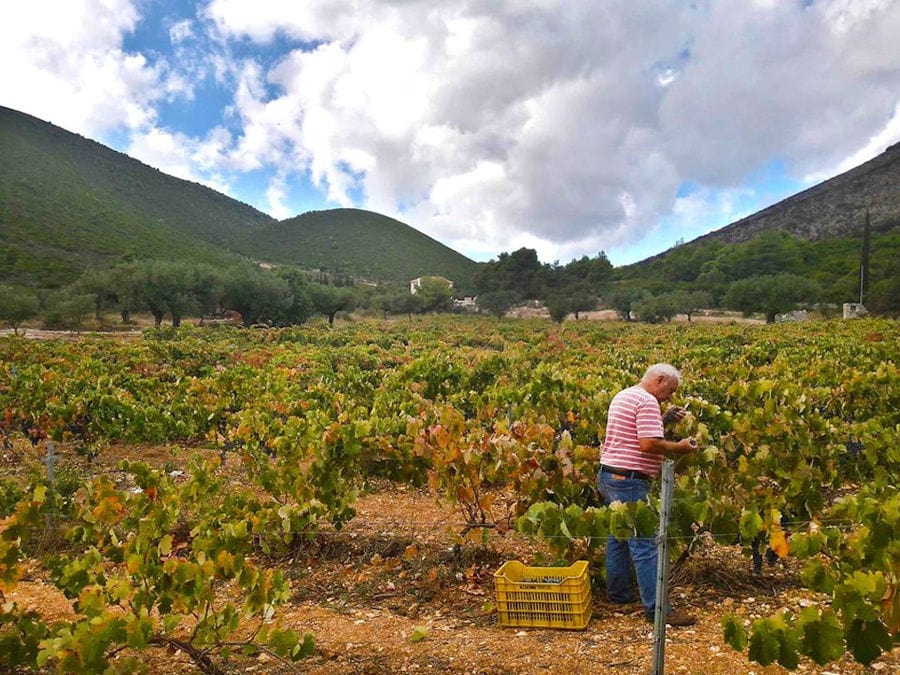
(639, 551)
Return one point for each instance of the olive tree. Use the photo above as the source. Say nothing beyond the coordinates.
(17, 305)
(770, 295)
(496, 302)
(329, 300)
(66, 308)
(256, 294)
(436, 294)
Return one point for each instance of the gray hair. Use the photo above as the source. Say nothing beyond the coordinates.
(666, 370)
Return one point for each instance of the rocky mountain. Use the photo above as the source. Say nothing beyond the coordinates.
(833, 208)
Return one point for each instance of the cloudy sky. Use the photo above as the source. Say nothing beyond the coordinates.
(567, 126)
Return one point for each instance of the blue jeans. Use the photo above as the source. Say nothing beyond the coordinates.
(641, 551)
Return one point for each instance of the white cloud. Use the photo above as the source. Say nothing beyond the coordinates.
(180, 31)
(691, 212)
(572, 105)
(62, 61)
(262, 20)
(885, 137)
(178, 156)
(276, 193)
(565, 125)
(806, 83)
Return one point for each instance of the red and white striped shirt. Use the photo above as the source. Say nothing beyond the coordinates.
(633, 413)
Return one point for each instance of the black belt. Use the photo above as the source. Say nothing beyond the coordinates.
(628, 473)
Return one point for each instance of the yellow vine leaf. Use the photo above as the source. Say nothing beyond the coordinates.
(778, 543)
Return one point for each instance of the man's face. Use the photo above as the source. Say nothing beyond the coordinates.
(665, 387)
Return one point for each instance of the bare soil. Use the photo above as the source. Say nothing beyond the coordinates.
(399, 570)
(112, 327)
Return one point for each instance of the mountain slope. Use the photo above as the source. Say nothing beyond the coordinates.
(357, 242)
(833, 208)
(825, 220)
(68, 204)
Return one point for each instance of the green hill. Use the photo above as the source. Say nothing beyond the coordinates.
(68, 204)
(360, 243)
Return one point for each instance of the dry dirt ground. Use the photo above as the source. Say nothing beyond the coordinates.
(398, 569)
(112, 328)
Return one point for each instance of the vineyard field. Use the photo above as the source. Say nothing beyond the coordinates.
(336, 499)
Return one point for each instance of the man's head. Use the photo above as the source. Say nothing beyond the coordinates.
(661, 380)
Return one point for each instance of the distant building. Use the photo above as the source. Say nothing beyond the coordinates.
(416, 283)
(854, 310)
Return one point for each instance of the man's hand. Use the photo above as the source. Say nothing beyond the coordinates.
(674, 414)
(686, 446)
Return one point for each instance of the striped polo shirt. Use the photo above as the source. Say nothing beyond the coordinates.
(633, 413)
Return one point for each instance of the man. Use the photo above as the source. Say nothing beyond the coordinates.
(632, 456)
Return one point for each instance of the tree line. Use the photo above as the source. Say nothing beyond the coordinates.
(769, 275)
(588, 283)
(170, 290)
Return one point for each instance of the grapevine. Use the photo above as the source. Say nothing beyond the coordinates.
(797, 429)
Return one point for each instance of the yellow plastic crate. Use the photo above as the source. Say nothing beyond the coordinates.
(543, 597)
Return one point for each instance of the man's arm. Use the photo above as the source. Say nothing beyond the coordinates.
(660, 446)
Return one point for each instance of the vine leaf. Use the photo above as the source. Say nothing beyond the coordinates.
(764, 646)
(778, 543)
(866, 640)
(734, 632)
(773, 640)
(822, 636)
(751, 524)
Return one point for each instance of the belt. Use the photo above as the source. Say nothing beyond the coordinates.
(628, 473)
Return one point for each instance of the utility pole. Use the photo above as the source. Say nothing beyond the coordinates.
(864, 262)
